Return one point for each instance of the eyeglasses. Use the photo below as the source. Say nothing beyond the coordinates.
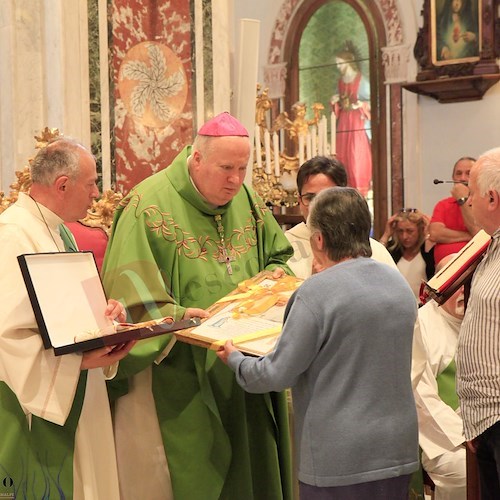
(307, 198)
(408, 210)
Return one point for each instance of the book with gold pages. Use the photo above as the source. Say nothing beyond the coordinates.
(68, 301)
(458, 270)
(251, 316)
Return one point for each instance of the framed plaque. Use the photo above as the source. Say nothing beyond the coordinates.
(68, 301)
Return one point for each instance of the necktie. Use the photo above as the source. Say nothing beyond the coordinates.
(68, 239)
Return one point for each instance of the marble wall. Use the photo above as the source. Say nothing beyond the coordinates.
(43, 75)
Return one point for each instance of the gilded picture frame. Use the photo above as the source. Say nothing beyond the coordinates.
(456, 31)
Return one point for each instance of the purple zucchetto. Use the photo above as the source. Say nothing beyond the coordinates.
(223, 125)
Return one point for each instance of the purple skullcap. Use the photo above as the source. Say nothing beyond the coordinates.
(223, 125)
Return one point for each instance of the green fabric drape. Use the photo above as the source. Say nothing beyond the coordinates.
(37, 462)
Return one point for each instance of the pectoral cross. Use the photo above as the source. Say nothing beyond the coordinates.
(224, 257)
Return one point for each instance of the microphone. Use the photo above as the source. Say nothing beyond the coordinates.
(438, 181)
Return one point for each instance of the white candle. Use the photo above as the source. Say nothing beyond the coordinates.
(320, 138)
(258, 150)
(308, 146)
(276, 147)
(314, 138)
(324, 133)
(267, 151)
(301, 149)
(333, 132)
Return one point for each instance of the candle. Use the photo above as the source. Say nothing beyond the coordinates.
(258, 150)
(276, 147)
(320, 138)
(324, 134)
(267, 151)
(301, 149)
(333, 132)
(314, 138)
(308, 146)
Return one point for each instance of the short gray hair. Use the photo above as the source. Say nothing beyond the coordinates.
(342, 216)
(488, 174)
(60, 157)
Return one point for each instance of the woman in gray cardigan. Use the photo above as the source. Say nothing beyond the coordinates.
(345, 351)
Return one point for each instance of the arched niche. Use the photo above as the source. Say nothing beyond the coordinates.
(388, 68)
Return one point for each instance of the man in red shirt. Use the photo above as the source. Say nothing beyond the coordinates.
(452, 224)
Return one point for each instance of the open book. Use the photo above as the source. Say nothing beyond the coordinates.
(447, 281)
(251, 316)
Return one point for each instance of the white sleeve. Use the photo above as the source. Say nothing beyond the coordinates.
(43, 383)
(440, 427)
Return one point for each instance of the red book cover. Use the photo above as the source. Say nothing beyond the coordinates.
(445, 282)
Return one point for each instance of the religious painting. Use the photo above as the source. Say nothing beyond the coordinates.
(334, 70)
(455, 31)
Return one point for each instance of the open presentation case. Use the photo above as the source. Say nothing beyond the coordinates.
(68, 300)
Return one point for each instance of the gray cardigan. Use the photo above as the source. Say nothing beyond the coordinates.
(345, 351)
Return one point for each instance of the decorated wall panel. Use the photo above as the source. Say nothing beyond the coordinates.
(151, 68)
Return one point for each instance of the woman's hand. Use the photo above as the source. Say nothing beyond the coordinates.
(390, 227)
(224, 352)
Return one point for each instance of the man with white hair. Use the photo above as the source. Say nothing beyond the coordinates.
(478, 354)
(56, 430)
(439, 425)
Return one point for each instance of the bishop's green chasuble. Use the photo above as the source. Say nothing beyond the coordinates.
(171, 250)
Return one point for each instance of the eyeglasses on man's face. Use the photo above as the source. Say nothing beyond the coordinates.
(306, 198)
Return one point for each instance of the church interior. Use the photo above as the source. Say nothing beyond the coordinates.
(72, 69)
(371, 82)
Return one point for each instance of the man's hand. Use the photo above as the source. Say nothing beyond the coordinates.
(278, 273)
(195, 312)
(105, 356)
(459, 190)
(115, 310)
(224, 352)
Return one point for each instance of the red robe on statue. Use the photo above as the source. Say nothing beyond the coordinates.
(353, 143)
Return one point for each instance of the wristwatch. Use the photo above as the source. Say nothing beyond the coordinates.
(461, 201)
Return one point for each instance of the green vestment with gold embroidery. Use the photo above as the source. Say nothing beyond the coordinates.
(166, 254)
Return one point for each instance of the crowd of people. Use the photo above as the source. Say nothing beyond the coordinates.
(184, 425)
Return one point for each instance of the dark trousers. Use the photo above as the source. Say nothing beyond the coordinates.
(488, 460)
(395, 488)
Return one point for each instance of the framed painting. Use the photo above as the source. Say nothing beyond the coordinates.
(456, 34)
(457, 49)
